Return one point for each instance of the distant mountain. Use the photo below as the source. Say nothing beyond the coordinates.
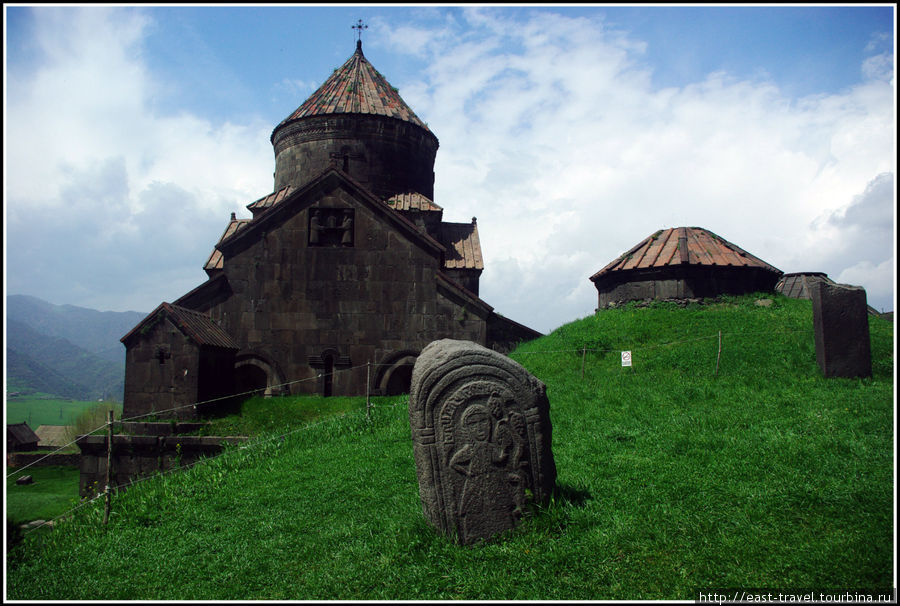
(27, 376)
(64, 350)
(96, 331)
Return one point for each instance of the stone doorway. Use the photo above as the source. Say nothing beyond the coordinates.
(395, 373)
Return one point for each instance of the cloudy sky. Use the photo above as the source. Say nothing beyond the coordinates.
(572, 133)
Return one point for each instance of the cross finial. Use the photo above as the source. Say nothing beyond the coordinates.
(359, 27)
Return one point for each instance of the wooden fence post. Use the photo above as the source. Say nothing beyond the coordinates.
(719, 355)
(583, 356)
(368, 405)
(109, 448)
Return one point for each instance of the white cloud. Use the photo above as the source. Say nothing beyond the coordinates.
(551, 134)
(568, 157)
(110, 202)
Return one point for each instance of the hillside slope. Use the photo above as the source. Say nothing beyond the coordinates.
(54, 365)
(696, 468)
(64, 350)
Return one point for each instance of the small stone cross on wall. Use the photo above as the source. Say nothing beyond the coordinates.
(162, 355)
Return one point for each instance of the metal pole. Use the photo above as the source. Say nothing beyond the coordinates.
(583, 355)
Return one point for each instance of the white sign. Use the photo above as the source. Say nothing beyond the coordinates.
(626, 358)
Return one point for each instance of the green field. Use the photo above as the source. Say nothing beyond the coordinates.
(690, 470)
(48, 410)
(54, 492)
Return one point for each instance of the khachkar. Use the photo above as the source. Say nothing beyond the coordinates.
(481, 439)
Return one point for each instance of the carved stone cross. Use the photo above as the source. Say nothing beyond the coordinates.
(481, 439)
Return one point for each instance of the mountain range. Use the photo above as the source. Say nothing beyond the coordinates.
(65, 351)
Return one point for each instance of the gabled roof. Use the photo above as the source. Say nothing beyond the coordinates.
(20, 433)
(412, 201)
(329, 179)
(462, 244)
(52, 435)
(356, 88)
(797, 285)
(683, 246)
(234, 226)
(193, 324)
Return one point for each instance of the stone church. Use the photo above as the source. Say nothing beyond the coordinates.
(342, 275)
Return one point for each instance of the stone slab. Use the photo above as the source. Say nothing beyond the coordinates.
(481, 437)
(841, 326)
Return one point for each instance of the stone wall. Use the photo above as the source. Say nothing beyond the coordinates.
(315, 308)
(140, 456)
(21, 459)
(683, 283)
(161, 372)
(386, 155)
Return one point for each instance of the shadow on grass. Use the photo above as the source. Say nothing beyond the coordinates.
(565, 494)
(552, 518)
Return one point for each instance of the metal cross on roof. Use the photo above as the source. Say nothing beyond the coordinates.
(359, 27)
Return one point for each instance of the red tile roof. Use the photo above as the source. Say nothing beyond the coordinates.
(196, 326)
(462, 244)
(683, 245)
(271, 200)
(199, 327)
(215, 260)
(356, 87)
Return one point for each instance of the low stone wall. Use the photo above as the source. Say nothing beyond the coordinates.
(135, 457)
(172, 428)
(21, 459)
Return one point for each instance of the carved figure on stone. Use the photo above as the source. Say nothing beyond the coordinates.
(481, 438)
(347, 228)
(315, 228)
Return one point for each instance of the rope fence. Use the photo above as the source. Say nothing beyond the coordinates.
(367, 409)
(255, 444)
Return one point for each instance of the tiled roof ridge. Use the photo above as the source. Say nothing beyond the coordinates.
(207, 333)
(196, 325)
(356, 88)
(683, 246)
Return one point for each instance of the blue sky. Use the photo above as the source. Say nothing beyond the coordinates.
(571, 132)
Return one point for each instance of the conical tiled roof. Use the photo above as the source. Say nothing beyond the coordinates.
(683, 246)
(356, 88)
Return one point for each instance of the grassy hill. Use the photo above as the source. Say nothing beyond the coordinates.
(674, 476)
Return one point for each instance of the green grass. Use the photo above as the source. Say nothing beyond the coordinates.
(54, 492)
(38, 411)
(671, 479)
(261, 415)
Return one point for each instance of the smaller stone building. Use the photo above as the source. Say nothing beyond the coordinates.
(799, 285)
(682, 263)
(177, 356)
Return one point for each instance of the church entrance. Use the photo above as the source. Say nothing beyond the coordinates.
(249, 378)
(395, 373)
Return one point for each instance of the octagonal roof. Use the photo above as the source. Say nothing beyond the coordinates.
(356, 88)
